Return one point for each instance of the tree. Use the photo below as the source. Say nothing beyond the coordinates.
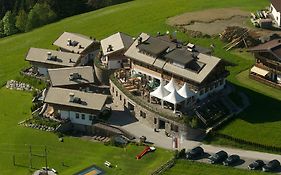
(39, 15)
(9, 21)
(21, 20)
(2, 34)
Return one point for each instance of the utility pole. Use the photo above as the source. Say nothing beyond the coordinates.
(30, 156)
(46, 159)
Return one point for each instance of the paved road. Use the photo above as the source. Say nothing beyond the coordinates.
(159, 139)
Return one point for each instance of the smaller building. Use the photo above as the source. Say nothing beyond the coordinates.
(72, 78)
(268, 62)
(275, 8)
(44, 59)
(79, 44)
(113, 49)
(79, 107)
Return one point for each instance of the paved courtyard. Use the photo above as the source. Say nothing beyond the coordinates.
(123, 119)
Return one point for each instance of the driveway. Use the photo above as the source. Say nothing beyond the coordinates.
(122, 119)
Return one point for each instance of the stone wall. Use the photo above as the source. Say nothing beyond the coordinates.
(147, 117)
(102, 74)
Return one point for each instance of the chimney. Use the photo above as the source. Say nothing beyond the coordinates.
(140, 40)
(109, 48)
(49, 55)
(71, 97)
(69, 42)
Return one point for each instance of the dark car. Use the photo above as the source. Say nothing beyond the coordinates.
(256, 165)
(271, 166)
(231, 160)
(218, 157)
(195, 152)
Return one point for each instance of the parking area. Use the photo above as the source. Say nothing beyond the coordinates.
(243, 163)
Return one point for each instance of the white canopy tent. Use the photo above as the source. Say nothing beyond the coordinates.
(171, 86)
(174, 98)
(160, 93)
(185, 92)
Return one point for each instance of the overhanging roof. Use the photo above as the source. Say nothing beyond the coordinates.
(259, 71)
(63, 59)
(209, 62)
(118, 42)
(90, 101)
(82, 42)
(61, 77)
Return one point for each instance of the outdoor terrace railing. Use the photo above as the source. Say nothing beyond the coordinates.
(144, 103)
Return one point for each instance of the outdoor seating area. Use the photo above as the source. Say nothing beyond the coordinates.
(211, 112)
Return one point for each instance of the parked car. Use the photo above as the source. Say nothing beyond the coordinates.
(271, 166)
(195, 152)
(218, 157)
(256, 165)
(231, 160)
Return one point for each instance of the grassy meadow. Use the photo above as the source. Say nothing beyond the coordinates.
(132, 18)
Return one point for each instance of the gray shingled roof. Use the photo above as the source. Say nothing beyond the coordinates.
(180, 56)
(118, 41)
(80, 42)
(210, 62)
(90, 101)
(61, 77)
(62, 58)
(155, 46)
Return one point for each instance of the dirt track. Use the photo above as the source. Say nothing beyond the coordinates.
(212, 21)
(206, 16)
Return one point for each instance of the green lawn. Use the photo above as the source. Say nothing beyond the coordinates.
(183, 167)
(75, 153)
(133, 17)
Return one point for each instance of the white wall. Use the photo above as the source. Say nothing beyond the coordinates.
(276, 15)
(72, 116)
(279, 79)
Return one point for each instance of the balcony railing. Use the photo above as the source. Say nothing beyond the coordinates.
(144, 103)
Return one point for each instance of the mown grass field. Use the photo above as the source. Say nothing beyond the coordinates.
(184, 167)
(133, 17)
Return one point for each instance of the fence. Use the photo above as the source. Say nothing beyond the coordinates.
(164, 167)
(246, 142)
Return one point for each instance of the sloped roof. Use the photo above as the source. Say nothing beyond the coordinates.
(174, 98)
(118, 41)
(171, 86)
(62, 58)
(90, 101)
(61, 77)
(82, 42)
(273, 46)
(185, 91)
(210, 62)
(160, 92)
(276, 4)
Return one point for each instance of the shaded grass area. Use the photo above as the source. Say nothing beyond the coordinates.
(187, 167)
(133, 17)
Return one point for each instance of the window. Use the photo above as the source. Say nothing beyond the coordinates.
(120, 97)
(77, 115)
(142, 114)
(83, 117)
(155, 120)
(91, 117)
(116, 93)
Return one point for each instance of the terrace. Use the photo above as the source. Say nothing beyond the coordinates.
(138, 89)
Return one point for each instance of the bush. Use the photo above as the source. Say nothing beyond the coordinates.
(194, 123)
(182, 154)
(176, 154)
